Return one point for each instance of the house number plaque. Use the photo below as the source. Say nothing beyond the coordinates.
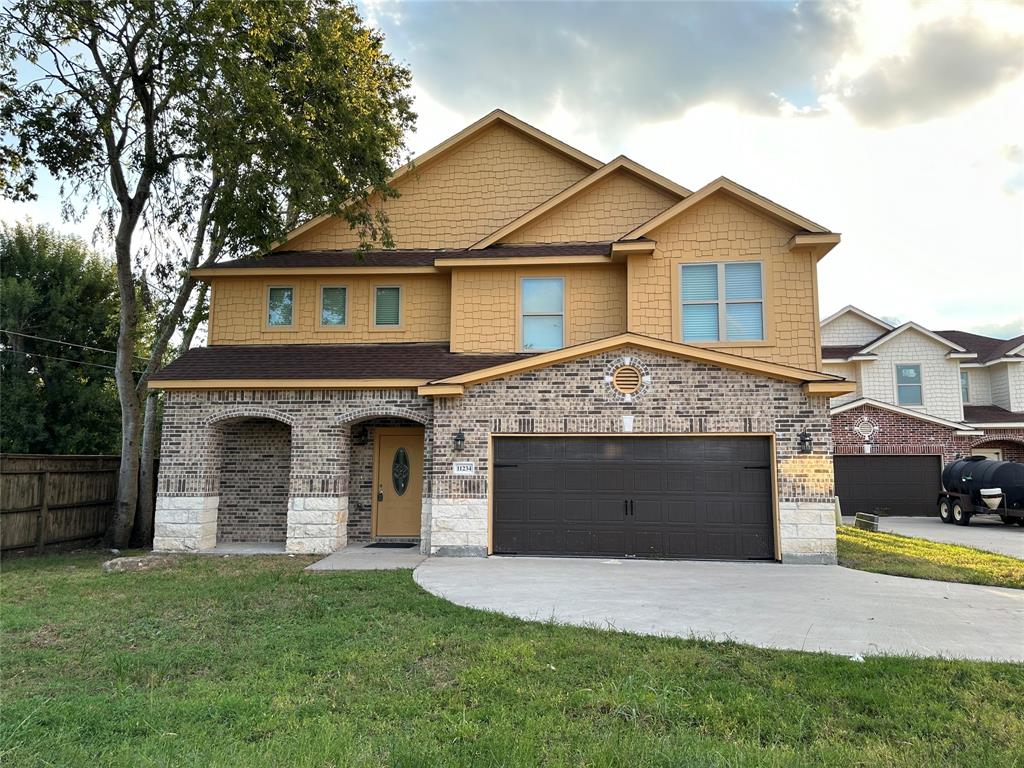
(463, 467)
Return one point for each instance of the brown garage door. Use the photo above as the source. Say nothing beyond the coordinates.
(670, 497)
(888, 485)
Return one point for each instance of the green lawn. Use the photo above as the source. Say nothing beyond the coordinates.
(249, 661)
(907, 556)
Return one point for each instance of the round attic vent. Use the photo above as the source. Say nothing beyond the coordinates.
(627, 379)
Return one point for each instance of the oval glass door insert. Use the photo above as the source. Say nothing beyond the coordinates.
(400, 471)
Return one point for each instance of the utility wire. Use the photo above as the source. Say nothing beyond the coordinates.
(63, 359)
(66, 343)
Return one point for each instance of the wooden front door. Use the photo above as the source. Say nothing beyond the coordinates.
(398, 481)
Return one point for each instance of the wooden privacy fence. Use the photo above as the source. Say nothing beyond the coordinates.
(46, 500)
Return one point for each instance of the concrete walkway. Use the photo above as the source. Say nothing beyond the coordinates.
(360, 557)
(988, 533)
(801, 607)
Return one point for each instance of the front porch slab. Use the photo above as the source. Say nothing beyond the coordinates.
(361, 557)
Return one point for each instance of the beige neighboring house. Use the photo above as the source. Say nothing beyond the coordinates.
(922, 398)
(561, 356)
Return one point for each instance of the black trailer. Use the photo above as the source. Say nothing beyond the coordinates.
(978, 486)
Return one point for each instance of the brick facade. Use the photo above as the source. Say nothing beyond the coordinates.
(896, 433)
(330, 480)
(254, 470)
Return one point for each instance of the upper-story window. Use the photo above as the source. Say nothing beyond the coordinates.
(333, 305)
(280, 306)
(387, 305)
(543, 312)
(965, 386)
(908, 385)
(722, 302)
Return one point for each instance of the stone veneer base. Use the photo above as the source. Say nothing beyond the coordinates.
(808, 532)
(185, 523)
(317, 525)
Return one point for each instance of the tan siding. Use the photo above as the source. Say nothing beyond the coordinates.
(239, 310)
(720, 229)
(611, 208)
(463, 196)
(486, 314)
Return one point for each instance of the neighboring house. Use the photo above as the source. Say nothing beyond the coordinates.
(922, 398)
(561, 356)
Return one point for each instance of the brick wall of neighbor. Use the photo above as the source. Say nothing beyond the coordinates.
(464, 195)
(254, 473)
(609, 209)
(683, 397)
(190, 482)
(720, 229)
(899, 434)
(239, 308)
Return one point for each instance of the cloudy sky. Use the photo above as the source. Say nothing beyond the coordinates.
(901, 126)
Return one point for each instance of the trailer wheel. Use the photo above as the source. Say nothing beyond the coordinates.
(960, 515)
(944, 514)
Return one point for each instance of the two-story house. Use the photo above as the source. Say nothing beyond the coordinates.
(561, 356)
(922, 398)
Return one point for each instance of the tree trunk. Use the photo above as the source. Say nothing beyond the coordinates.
(145, 512)
(120, 530)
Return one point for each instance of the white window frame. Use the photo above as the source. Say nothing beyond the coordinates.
(896, 383)
(401, 308)
(722, 302)
(523, 314)
(965, 386)
(266, 308)
(320, 305)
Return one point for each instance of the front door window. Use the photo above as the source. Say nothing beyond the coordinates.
(400, 471)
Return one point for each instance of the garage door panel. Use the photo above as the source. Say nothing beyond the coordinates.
(691, 497)
(888, 485)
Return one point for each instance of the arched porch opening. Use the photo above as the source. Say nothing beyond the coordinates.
(1003, 448)
(253, 456)
(382, 505)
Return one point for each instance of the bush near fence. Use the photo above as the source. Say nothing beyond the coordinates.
(48, 501)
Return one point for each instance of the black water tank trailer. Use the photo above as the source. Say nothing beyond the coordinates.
(978, 486)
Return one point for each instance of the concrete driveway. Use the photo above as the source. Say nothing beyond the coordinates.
(988, 533)
(800, 607)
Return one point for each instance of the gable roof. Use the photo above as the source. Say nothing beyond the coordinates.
(814, 382)
(960, 427)
(722, 184)
(850, 309)
(492, 118)
(987, 348)
(619, 164)
(910, 325)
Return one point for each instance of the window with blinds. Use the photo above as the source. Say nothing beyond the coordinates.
(387, 305)
(722, 301)
(333, 305)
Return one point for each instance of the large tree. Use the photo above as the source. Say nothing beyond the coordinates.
(207, 129)
(58, 315)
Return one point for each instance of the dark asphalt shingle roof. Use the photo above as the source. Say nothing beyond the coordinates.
(409, 258)
(326, 361)
(990, 414)
(831, 353)
(986, 347)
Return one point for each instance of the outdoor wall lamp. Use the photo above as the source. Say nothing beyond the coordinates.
(361, 436)
(804, 442)
(459, 440)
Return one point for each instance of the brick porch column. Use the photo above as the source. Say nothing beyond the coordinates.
(318, 489)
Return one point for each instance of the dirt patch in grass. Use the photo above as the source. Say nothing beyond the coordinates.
(921, 559)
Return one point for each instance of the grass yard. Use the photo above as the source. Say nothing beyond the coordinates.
(907, 556)
(249, 661)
